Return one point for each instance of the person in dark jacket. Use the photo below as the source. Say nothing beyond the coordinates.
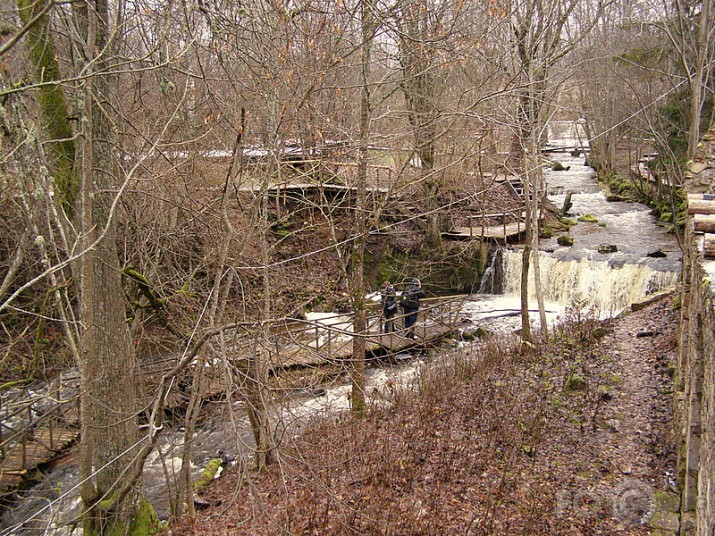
(410, 303)
(389, 306)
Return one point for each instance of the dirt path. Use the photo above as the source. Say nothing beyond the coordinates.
(633, 436)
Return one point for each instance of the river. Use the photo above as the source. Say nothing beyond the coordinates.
(571, 276)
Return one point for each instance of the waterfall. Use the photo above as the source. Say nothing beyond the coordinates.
(586, 283)
(492, 279)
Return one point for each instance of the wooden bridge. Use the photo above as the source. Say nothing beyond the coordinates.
(293, 343)
(296, 343)
(40, 438)
(511, 227)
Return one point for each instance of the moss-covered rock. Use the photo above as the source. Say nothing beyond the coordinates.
(576, 383)
(588, 218)
(565, 240)
(545, 232)
(207, 475)
(458, 267)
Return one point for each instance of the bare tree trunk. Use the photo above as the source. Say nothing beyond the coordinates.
(698, 77)
(537, 187)
(418, 85)
(257, 366)
(108, 364)
(525, 258)
(360, 229)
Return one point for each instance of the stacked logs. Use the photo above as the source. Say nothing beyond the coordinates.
(702, 208)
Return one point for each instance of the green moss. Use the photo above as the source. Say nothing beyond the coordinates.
(576, 383)
(556, 402)
(677, 302)
(558, 166)
(144, 523)
(207, 475)
(565, 240)
(587, 218)
(481, 332)
(51, 101)
(599, 332)
(455, 268)
(603, 389)
(545, 232)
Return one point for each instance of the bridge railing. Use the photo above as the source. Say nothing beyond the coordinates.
(29, 420)
(477, 222)
(332, 335)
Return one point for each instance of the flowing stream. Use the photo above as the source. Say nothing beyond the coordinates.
(646, 260)
(577, 276)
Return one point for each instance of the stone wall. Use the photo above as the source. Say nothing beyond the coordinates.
(695, 383)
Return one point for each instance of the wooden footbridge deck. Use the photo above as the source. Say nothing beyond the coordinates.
(298, 343)
(40, 439)
(510, 228)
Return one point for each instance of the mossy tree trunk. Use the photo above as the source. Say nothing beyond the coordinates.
(56, 127)
(106, 359)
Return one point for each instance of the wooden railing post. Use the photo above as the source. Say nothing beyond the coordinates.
(24, 451)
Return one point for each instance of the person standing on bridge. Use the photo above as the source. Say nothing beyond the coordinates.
(410, 303)
(389, 306)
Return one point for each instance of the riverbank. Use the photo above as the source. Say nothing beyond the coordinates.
(571, 438)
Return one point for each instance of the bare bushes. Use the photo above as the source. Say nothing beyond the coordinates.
(459, 457)
(486, 443)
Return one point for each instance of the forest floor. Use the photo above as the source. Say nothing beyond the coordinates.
(574, 436)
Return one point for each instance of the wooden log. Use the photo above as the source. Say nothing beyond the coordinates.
(709, 246)
(701, 196)
(704, 223)
(701, 206)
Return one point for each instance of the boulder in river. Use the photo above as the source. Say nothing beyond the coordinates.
(657, 254)
(607, 248)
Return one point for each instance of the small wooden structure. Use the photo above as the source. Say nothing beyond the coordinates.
(37, 442)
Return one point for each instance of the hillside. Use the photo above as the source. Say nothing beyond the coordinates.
(570, 438)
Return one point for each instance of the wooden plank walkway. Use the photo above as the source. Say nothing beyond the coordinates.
(375, 345)
(495, 232)
(41, 447)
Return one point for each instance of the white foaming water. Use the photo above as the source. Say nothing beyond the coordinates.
(587, 283)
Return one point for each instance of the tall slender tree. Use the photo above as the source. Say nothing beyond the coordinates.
(108, 366)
